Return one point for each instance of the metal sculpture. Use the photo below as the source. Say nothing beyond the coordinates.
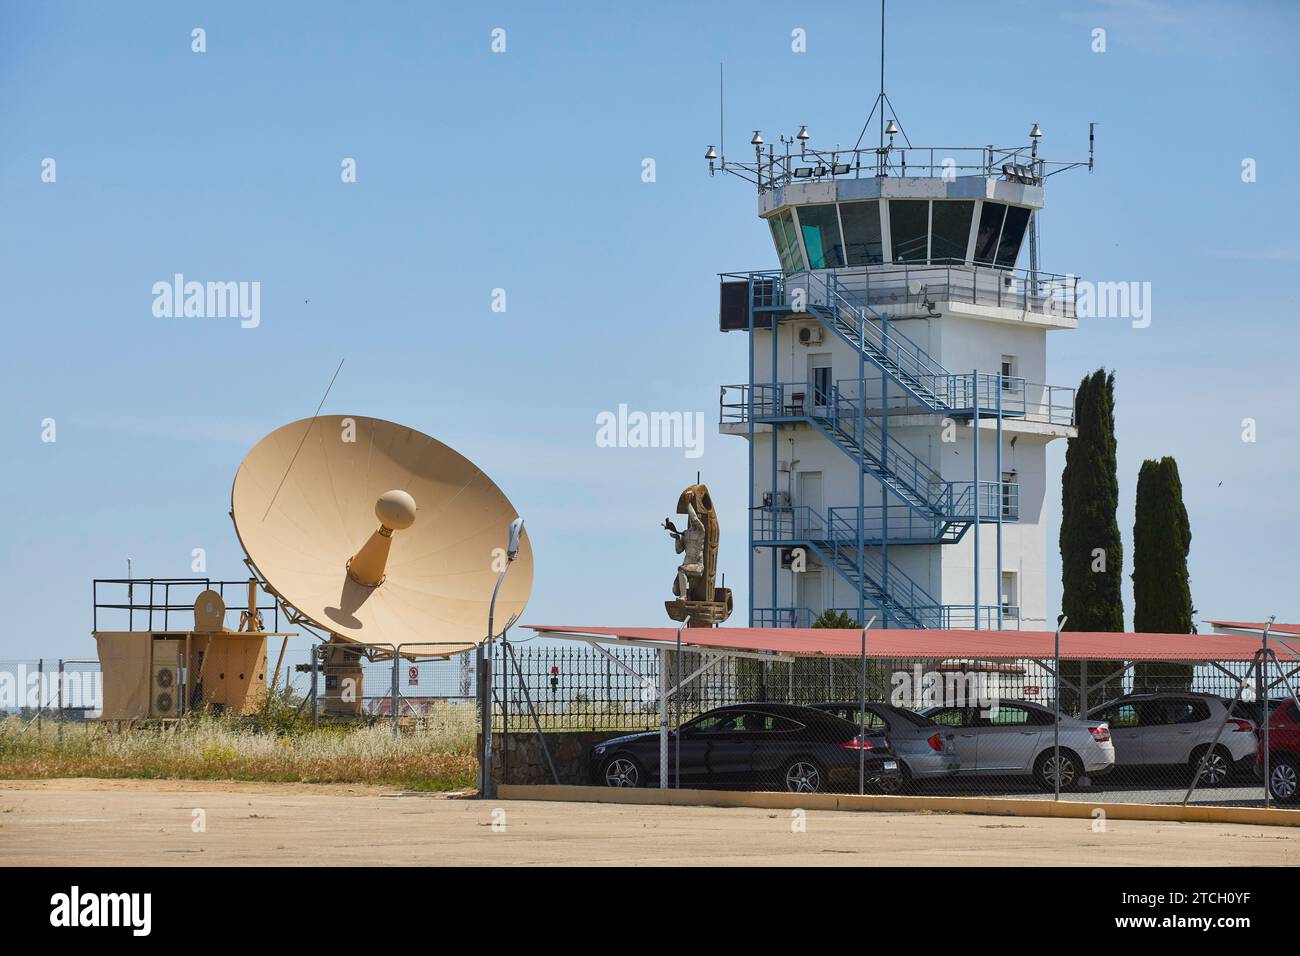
(699, 602)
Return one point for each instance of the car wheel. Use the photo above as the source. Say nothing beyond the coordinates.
(803, 776)
(1045, 770)
(623, 771)
(1218, 766)
(1284, 780)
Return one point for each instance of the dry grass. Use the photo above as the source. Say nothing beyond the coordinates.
(438, 756)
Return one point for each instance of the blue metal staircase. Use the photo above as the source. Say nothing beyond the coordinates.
(940, 511)
(832, 539)
(949, 505)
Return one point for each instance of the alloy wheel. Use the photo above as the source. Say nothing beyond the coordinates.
(622, 772)
(1283, 782)
(1216, 769)
(1066, 771)
(803, 777)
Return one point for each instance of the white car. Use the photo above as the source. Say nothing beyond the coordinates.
(1176, 729)
(1015, 738)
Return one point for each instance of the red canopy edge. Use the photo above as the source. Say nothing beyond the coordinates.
(936, 644)
(1278, 630)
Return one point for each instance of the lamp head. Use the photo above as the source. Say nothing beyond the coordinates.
(516, 529)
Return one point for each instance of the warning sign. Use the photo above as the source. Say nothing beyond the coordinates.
(413, 676)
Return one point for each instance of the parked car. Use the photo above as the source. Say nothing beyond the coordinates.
(760, 746)
(1015, 738)
(925, 750)
(1283, 754)
(1175, 729)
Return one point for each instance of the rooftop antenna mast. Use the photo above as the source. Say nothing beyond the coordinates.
(883, 102)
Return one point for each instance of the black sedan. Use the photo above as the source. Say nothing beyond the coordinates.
(753, 746)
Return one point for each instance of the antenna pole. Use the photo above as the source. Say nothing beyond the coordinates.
(722, 125)
(880, 99)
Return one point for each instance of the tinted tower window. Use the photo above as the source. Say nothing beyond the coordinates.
(909, 223)
(862, 246)
(1013, 231)
(950, 230)
(820, 226)
(986, 239)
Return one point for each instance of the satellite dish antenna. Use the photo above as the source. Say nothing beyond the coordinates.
(379, 534)
(915, 287)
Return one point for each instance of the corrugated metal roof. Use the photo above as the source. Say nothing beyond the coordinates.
(937, 645)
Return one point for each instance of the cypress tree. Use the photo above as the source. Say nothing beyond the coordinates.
(829, 618)
(1162, 593)
(1092, 554)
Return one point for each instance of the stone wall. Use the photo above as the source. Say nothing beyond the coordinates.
(518, 757)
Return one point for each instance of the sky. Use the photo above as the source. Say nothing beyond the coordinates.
(523, 171)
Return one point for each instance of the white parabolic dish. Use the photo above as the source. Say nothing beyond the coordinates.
(440, 571)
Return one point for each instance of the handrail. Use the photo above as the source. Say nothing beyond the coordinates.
(954, 280)
(944, 498)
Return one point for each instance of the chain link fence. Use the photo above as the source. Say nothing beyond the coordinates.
(1148, 732)
(1153, 732)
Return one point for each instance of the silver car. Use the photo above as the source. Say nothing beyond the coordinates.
(1176, 729)
(1015, 738)
(925, 750)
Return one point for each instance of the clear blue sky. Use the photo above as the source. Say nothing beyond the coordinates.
(522, 171)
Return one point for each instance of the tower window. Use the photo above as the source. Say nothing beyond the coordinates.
(1008, 372)
(820, 226)
(862, 244)
(787, 244)
(1010, 495)
(986, 238)
(909, 227)
(1010, 593)
(950, 230)
(1013, 232)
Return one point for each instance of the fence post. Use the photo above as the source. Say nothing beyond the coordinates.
(1264, 714)
(1056, 700)
(40, 694)
(862, 716)
(311, 657)
(663, 719)
(485, 718)
(677, 730)
(397, 659)
(59, 715)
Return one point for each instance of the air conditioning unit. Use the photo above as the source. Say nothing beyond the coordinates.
(811, 334)
(165, 680)
(782, 499)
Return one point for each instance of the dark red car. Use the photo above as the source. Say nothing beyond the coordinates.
(1284, 753)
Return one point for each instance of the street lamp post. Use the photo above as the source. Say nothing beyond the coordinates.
(485, 789)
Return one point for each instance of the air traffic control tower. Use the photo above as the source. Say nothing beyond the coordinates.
(895, 409)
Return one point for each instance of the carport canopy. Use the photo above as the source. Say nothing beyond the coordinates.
(787, 642)
(941, 644)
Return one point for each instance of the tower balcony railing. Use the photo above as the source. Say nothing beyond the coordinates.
(1022, 400)
(914, 284)
(951, 616)
(838, 420)
(773, 170)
